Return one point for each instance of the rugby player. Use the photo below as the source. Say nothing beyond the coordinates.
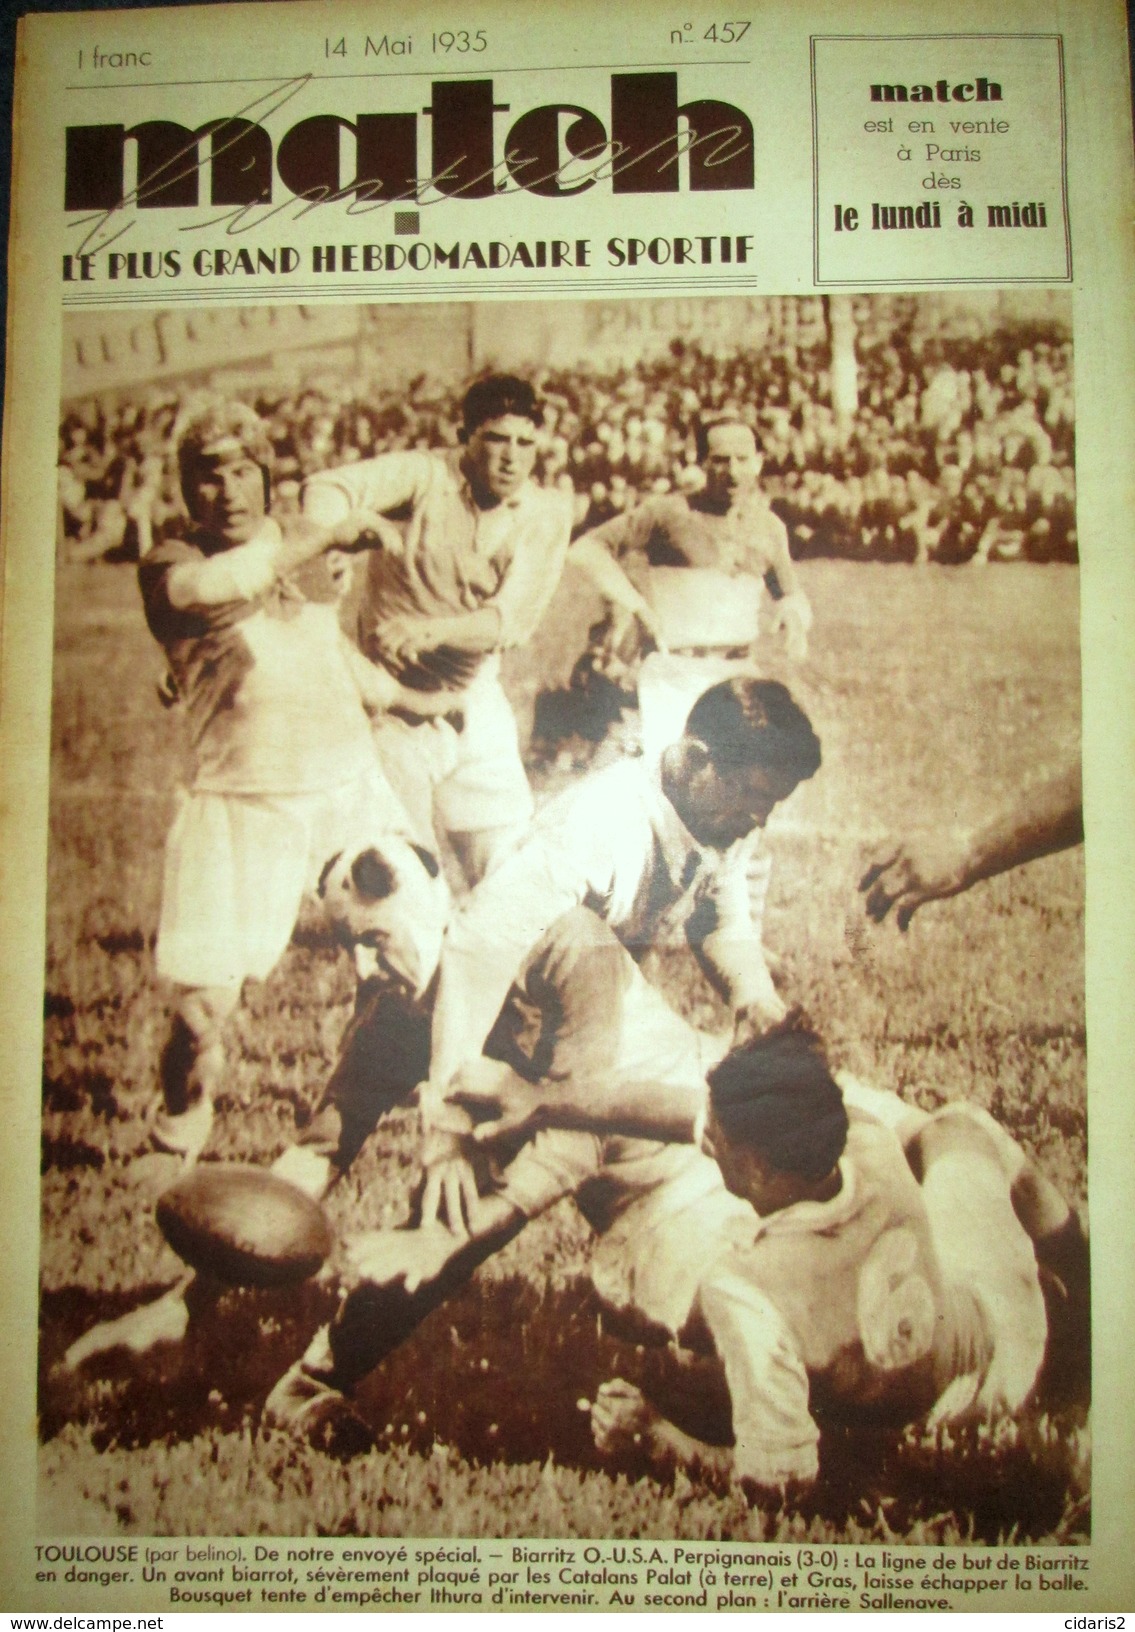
(862, 1288)
(632, 841)
(691, 568)
(808, 1250)
(647, 843)
(473, 573)
(284, 768)
(579, 1011)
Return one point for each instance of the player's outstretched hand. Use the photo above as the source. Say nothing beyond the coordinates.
(500, 1101)
(919, 871)
(304, 540)
(752, 1020)
(385, 1257)
(449, 1197)
(406, 637)
(622, 1418)
(1045, 817)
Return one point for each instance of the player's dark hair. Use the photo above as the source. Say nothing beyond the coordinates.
(776, 1095)
(372, 875)
(497, 395)
(710, 422)
(744, 722)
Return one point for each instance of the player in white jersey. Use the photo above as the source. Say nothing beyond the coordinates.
(284, 769)
(478, 563)
(673, 836)
(846, 1247)
(892, 1268)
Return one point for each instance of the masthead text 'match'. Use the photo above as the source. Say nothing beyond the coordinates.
(555, 151)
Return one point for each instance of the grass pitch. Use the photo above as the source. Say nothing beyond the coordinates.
(937, 693)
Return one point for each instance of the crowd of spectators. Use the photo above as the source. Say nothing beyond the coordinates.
(960, 448)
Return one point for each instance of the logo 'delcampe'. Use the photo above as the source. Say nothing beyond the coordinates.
(555, 151)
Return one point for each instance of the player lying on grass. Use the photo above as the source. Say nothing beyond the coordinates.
(891, 1272)
(853, 1255)
(891, 1291)
(1046, 817)
(284, 767)
(471, 575)
(578, 1008)
(674, 838)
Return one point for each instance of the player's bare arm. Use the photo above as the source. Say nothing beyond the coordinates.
(592, 557)
(408, 637)
(932, 867)
(247, 570)
(508, 1106)
(793, 612)
(417, 1257)
(732, 952)
(306, 538)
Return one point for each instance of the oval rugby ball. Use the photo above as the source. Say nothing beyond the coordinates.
(244, 1225)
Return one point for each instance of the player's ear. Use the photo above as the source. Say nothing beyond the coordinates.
(695, 754)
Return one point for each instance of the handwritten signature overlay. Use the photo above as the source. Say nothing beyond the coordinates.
(102, 228)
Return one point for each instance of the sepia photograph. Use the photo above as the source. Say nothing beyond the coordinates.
(565, 992)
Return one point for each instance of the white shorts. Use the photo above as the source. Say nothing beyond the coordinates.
(668, 687)
(458, 774)
(238, 865)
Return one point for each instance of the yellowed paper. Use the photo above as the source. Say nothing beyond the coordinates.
(888, 255)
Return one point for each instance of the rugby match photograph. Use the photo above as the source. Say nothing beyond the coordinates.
(564, 995)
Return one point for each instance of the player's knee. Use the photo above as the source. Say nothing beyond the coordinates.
(193, 1058)
(205, 1010)
(960, 1131)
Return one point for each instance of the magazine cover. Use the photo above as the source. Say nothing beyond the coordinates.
(565, 732)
